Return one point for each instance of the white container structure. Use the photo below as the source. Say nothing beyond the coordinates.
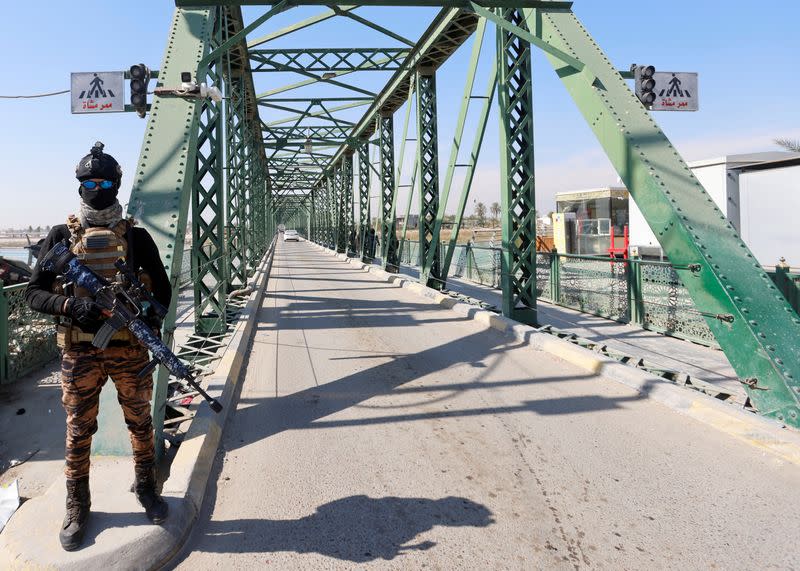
(759, 193)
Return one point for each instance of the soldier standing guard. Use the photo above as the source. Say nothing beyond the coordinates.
(98, 236)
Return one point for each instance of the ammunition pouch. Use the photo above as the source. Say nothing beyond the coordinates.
(69, 335)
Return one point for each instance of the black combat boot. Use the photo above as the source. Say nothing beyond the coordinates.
(145, 488)
(78, 503)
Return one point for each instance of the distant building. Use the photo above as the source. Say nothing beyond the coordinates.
(759, 193)
(413, 221)
(585, 219)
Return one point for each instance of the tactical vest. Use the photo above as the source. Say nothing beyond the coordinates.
(98, 247)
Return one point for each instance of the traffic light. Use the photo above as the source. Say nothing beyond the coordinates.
(645, 84)
(140, 77)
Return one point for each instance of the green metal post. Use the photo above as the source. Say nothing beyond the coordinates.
(341, 210)
(208, 239)
(330, 212)
(555, 277)
(635, 297)
(388, 193)
(163, 183)
(363, 198)
(518, 261)
(236, 195)
(347, 176)
(752, 322)
(428, 162)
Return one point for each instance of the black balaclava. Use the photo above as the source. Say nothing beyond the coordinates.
(97, 164)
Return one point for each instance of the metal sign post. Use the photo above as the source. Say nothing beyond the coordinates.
(675, 91)
(97, 92)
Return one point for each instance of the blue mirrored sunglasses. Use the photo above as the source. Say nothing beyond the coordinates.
(91, 185)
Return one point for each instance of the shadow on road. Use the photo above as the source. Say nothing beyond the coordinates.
(356, 528)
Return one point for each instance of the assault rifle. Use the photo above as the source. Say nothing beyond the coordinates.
(124, 310)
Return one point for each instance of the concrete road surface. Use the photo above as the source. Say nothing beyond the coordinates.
(377, 430)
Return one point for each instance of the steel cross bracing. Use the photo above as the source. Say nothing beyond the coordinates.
(428, 164)
(364, 202)
(263, 158)
(518, 201)
(308, 60)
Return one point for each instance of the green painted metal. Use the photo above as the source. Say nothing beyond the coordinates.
(752, 322)
(388, 235)
(239, 36)
(300, 133)
(428, 164)
(456, 146)
(328, 59)
(363, 200)
(163, 182)
(400, 162)
(294, 118)
(448, 30)
(341, 216)
(236, 200)
(214, 157)
(517, 189)
(472, 161)
(328, 14)
(208, 240)
(370, 24)
(409, 201)
(347, 198)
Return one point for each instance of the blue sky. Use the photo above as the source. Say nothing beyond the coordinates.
(745, 58)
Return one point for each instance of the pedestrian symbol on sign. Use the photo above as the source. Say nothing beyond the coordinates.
(674, 89)
(96, 89)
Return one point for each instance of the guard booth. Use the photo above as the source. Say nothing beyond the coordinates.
(591, 222)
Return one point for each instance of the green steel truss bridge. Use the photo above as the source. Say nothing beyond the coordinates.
(308, 154)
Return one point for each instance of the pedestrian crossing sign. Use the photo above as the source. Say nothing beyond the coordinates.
(97, 92)
(675, 91)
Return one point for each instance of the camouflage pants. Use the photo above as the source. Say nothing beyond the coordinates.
(84, 370)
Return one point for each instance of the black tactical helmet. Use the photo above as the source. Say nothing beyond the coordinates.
(97, 164)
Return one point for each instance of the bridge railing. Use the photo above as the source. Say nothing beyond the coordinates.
(641, 292)
(27, 337)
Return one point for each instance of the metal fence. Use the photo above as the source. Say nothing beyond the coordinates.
(27, 338)
(642, 292)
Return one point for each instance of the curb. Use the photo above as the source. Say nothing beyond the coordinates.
(757, 431)
(192, 465)
(127, 539)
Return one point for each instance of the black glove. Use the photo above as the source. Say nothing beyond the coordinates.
(85, 311)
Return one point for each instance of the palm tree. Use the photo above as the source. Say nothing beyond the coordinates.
(480, 212)
(495, 210)
(791, 145)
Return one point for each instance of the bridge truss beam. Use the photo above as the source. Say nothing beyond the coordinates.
(214, 158)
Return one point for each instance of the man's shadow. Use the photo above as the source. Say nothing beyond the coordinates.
(356, 528)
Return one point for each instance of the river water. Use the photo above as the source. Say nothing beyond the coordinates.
(20, 254)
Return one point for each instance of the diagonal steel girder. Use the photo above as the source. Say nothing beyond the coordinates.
(448, 31)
